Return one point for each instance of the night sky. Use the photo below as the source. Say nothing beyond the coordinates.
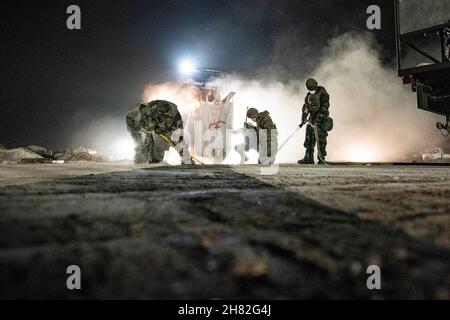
(53, 79)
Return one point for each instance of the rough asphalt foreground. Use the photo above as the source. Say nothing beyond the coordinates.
(224, 232)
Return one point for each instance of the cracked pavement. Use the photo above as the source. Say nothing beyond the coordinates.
(224, 232)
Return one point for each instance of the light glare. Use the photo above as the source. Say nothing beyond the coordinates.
(187, 67)
(124, 149)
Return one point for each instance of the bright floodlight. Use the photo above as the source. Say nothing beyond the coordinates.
(187, 67)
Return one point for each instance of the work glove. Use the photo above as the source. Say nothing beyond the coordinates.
(302, 124)
(249, 126)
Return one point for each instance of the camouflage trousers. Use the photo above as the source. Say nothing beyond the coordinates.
(154, 147)
(267, 148)
(310, 139)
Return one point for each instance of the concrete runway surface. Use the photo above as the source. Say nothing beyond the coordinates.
(218, 232)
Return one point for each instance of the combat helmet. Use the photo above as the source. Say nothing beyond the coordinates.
(311, 84)
(252, 113)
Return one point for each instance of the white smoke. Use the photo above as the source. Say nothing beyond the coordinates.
(376, 117)
(184, 96)
(108, 136)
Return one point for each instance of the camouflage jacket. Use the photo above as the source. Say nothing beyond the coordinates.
(160, 116)
(316, 106)
(265, 122)
(133, 124)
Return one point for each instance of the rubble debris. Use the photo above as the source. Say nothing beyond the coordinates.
(40, 151)
(435, 154)
(35, 161)
(80, 154)
(41, 155)
(58, 154)
(17, 155)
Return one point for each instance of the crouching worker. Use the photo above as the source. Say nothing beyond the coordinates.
(266, 136)
(155, 127)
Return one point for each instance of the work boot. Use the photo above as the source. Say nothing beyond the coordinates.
(308, 159)
(322, 160)
(188, 162)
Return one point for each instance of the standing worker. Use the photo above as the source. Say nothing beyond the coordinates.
(317, 117)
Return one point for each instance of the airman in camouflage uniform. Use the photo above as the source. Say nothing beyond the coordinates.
(265, 129)
(152, 126)
(316, 114)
